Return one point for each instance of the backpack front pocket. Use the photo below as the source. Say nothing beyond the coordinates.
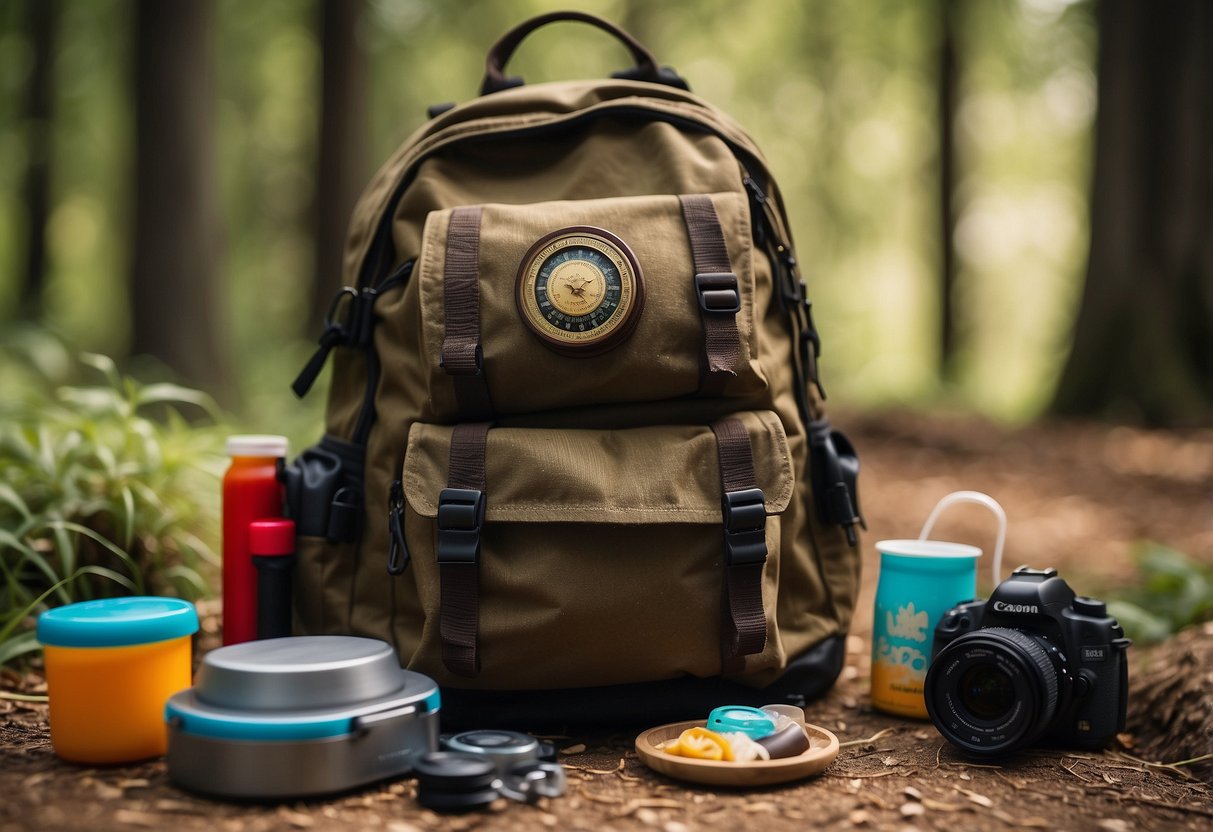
(562, 304)
(592, 557)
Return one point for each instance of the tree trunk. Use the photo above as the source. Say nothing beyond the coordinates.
(343, 148)
(41, 24)
(1143, 341)
(947, 186)
(174, 291)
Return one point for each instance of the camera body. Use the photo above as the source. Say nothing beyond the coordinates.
(1033, 664)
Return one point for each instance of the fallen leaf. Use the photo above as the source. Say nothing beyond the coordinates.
(174, 806)
(761, 806)
(940, 806)
(296, 819)
(979, 799)
(130, 817)
(647, 816)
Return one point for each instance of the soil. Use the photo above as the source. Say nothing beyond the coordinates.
(1079, 498)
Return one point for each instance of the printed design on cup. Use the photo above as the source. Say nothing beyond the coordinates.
(902, 667)
(900, 658)
(909, 624)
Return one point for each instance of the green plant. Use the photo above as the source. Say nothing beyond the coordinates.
(105, 489)
(1174, 593)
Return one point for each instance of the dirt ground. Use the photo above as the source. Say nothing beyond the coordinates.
(1078, 498)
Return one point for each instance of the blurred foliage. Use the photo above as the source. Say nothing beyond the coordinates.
(841, 96)
(1174, 592)
(105, 488)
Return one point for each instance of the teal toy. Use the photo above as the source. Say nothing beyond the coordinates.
(752, 722)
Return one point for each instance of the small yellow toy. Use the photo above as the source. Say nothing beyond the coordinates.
(700, 744)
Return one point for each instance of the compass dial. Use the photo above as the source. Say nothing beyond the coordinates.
(580, 290)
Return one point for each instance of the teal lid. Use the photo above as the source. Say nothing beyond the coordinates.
(117, 622)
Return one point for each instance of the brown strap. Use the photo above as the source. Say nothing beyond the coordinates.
(460, 517)
(744, 511)
(716, 289)
(462, 356)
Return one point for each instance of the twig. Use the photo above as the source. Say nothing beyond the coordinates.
(878, 735)
(1203, 758)
(24, 697)
(1174, 768)
(846, 776)
(1076, 774)
(1162, 804)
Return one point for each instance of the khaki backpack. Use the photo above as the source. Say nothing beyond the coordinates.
(574, 436)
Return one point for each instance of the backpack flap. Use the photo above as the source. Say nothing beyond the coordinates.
(621, 539)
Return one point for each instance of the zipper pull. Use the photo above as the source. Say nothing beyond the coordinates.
(334, 335)
(331, 337)
(398, 554)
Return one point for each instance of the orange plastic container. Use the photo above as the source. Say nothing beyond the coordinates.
(111, 666)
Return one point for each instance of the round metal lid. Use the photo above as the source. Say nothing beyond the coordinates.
(299, 673)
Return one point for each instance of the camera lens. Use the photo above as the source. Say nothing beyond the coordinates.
(987, 692)
(994, 690)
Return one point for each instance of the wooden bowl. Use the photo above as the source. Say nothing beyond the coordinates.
(823, 748)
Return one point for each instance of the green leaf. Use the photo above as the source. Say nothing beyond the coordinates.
(165, 393)
(18, 645)
(106, 365)
(1140, 625)
(108, 545)
(34, 557)
(9, 495)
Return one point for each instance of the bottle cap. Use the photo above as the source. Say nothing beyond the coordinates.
(257, 445)
(271, 537)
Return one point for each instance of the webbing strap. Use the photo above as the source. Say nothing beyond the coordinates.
(460, 517)
(744, 514)
(462, 356)
(716, 289)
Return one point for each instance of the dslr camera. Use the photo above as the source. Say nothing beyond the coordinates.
(1033, 664)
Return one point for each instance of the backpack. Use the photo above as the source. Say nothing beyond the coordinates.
(575, 461)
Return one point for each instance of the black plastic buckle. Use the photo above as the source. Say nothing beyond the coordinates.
(745, 524)
(460, 516)
(718, 292)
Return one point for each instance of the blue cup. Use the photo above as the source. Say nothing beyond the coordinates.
(920, 580)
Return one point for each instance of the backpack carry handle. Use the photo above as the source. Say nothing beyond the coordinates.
(646, 68)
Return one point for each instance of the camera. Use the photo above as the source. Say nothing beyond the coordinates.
(1033, 664)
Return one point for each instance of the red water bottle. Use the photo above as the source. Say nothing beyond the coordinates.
(251, 491)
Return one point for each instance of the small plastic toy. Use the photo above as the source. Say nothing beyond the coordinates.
(752, 722)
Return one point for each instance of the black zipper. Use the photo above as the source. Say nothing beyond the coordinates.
(398, 553)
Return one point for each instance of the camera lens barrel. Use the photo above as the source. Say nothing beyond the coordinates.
(994, 690)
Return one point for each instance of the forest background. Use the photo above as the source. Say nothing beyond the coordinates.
(1001, 207)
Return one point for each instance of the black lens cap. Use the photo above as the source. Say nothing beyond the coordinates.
(449, 781)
